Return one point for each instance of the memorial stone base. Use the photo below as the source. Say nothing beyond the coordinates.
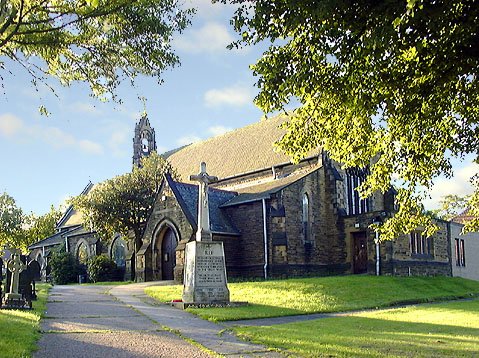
(205, 274)
(15, 301)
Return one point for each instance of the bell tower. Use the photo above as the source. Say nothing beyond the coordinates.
(144, 140)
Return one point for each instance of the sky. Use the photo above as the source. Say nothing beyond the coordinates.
(45, 160)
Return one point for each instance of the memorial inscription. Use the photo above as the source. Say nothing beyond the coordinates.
(205, 270)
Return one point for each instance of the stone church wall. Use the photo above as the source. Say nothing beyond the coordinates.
(166, 210)
(248, 258)
(438, 263)
(323, 253)
(395, 256)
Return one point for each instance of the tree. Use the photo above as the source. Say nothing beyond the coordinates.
(64, 267)
(40, 227)
(97, 41)
(102, 268)
(451, 206)
(123, 204)
(12, 220)
(389, 85)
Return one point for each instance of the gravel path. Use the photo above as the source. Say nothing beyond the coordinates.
(85, 321)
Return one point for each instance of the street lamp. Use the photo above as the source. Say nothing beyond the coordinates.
(376, 222)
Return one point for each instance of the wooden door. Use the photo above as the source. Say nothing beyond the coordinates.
(360, 252)
(168, 255)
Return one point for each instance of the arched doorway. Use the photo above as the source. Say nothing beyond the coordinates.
(168, 254)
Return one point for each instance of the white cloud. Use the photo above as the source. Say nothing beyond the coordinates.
(210, 38)
(10, 125)
(207, 10)
(90, 147)
(233, 96)
(117, 142)
(84, 107)
(219, 130)
(457, 185)
(14, 128)
(188, 139)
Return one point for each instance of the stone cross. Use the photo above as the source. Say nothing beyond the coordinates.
(15, 266)
(203, 233)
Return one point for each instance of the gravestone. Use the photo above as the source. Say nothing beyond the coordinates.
(34, 272)
(205, 280)
(25, 287)
(14, 299)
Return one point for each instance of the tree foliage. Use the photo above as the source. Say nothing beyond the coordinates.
(124, 203)
(64, 267)
(97, 41)
(392, 85)
(451, 206)
(101, 268)
(19, 230)
(12, 221)
(41, 226)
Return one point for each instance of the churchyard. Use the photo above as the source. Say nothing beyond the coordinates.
(449, 329)
(443, 329)
(438, 330)
(20, 329)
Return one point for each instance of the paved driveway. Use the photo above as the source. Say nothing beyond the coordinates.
(86, 321)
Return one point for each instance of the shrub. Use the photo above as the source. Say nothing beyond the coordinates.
(64, 268)
(102, 268)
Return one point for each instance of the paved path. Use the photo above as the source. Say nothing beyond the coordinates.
(85, 321)
(208, 334)
(100, 321)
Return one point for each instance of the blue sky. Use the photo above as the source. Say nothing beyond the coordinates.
(44, 160)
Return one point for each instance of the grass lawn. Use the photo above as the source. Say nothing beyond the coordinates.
(325, 294)
(436, 330)
(20, 329)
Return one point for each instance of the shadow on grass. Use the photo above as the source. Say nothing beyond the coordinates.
(251, 311)
(367, 337)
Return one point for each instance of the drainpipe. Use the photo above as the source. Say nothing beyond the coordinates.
(66, 244)
(265, 237)
(378, 263)
(377, 221)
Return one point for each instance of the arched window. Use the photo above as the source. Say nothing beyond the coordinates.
(118, 252)
(40, 259)
(82, 253)
(305, 218)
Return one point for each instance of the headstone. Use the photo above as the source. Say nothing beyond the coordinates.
(205, 281)
(15, 266)
(34, 270)
(25, 287)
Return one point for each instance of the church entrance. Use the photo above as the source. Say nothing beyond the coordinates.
(360, 252)
(168, 254)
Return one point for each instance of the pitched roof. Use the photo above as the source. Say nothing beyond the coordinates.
(55, 239)
(242, 150)
(187, 196)
(72, 217)
(265, 189)
(463, 217)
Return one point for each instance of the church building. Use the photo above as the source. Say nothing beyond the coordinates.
(275, 218)
(278, 219)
